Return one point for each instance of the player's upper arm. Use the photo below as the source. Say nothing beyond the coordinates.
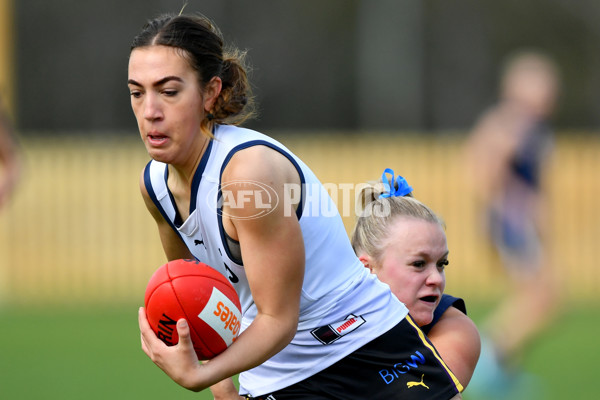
(173, 246)
(456, 338)
(489, 151)
(272, 245)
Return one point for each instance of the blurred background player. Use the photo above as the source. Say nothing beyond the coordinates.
(10, 165)
(406, 247)
(507, 154)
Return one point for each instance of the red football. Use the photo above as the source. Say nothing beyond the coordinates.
(202, 296)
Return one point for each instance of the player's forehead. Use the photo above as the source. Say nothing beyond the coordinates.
(409, 235)
(151, 64)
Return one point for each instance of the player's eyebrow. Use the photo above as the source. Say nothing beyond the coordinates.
(157, 83)
(425, 253)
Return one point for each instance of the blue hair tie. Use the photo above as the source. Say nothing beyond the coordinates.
(394, 187)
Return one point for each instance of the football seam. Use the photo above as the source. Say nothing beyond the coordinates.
(187, 318)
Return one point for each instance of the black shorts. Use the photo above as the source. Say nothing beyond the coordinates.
(400, 364)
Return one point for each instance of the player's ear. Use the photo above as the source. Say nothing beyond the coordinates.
(365, 259)
(211, 91)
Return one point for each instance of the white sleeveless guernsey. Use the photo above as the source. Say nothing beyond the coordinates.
(343, 306)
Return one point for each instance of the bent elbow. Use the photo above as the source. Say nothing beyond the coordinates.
(288, 331)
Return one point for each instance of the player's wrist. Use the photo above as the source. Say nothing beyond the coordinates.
(194, 379)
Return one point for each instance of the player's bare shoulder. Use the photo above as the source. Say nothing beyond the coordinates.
(261, 164)
(455, 319)
(257, 181)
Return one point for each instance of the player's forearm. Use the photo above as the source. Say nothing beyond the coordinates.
(225, 390)
(264, 338)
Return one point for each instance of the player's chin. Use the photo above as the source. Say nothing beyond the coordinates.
(422, 315)
(160, 155)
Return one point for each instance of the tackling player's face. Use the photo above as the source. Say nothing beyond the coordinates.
(412, 264)
(168, 103)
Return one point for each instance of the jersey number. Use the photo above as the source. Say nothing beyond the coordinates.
(232, 277)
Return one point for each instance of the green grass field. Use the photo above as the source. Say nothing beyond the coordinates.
(95, 242)
(94, 353)
(564, 359)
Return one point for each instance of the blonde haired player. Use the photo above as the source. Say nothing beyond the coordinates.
(406, 248)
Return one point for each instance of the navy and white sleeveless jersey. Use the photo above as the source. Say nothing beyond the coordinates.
(342, 307)
(446, 302)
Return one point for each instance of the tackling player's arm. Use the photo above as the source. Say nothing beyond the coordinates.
(172, 244)
(456, 338)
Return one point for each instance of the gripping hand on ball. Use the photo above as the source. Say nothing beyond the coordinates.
(180, 361)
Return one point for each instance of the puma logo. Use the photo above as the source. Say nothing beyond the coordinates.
(414, 383)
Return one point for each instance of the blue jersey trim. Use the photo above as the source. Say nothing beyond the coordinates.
(243, 146)
(446, 302)
(177, 220)
(198, 176)
(152, 194)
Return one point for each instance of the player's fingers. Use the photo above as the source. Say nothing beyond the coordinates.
(143, 321)
(145, 347)
(148, 335)
(183, 330)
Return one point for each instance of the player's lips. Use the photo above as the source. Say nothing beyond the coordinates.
(432, 299)
(156, 138)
